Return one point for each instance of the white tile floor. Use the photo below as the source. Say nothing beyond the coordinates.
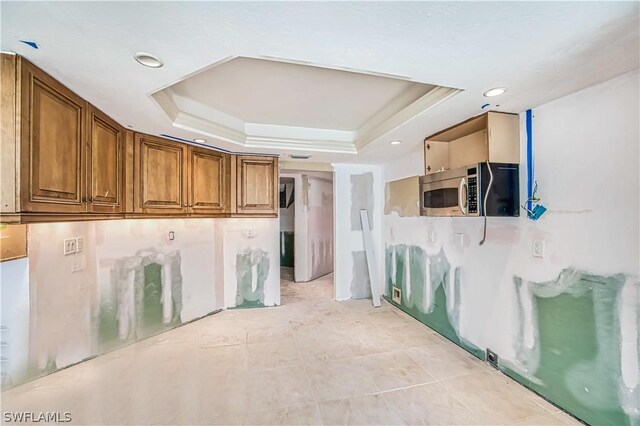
(310, 361)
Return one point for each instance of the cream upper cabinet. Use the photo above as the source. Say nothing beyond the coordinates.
(493, 136)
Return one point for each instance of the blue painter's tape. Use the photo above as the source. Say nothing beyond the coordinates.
(529, 121)
(30, 43)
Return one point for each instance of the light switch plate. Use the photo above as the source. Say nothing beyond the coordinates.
(79, 244)
(537, 248)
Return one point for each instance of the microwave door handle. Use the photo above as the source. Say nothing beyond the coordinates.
(462, 196)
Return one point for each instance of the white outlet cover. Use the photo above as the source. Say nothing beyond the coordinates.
(537, 248)
(70, 246)
(396, 295)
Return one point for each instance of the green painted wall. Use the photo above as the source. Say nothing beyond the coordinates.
(434, 314)
(575, 360)
(142, 314)
(286, 255)
(579, 346)
(252, 266)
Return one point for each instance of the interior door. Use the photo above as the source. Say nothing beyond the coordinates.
(105, 164)
(160, 176)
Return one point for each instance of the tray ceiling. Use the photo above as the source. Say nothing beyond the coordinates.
(279, 104)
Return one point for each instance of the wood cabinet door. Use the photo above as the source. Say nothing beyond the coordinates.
(160, 176)
(257, 184)
(52, 138)
(105, 164)
(208, 181)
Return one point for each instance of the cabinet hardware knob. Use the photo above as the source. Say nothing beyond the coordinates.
(428, 168)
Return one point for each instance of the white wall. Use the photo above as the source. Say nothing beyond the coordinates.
(14, 318)
(319, 210)
(55, 305)
(349, 238)
(313, 235)
(586, 152)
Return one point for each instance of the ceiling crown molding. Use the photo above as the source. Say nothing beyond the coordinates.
(206, 120)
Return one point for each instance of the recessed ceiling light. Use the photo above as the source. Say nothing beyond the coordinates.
(497, 91)
(199, 140)
(148, 60)
(396, 142)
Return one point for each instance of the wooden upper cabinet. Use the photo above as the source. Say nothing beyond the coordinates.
(160, 168)
(52, 137)
(105, 163)
(63, 159)
(209, 181)
(257, 184)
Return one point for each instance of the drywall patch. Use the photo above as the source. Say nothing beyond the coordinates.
(403, 196)
(360, 283)
(145, 298)
(430, 290)
(361, 199)
(573, 345)
(252, 270)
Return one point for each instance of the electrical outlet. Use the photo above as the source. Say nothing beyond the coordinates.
(70, 246)
(537, 248)
(492, 358)
(171, 236)
(396, 295)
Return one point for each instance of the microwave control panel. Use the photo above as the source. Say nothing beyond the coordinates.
(472, 195)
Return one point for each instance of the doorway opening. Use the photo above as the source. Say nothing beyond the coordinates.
(306, 225)
(287, 225)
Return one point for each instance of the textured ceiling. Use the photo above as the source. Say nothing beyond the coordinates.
(539, 50)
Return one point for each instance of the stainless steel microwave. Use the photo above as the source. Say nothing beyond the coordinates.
(462, 191)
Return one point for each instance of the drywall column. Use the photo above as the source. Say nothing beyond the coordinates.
(318, 201)
(356, 187)
(313, 228)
